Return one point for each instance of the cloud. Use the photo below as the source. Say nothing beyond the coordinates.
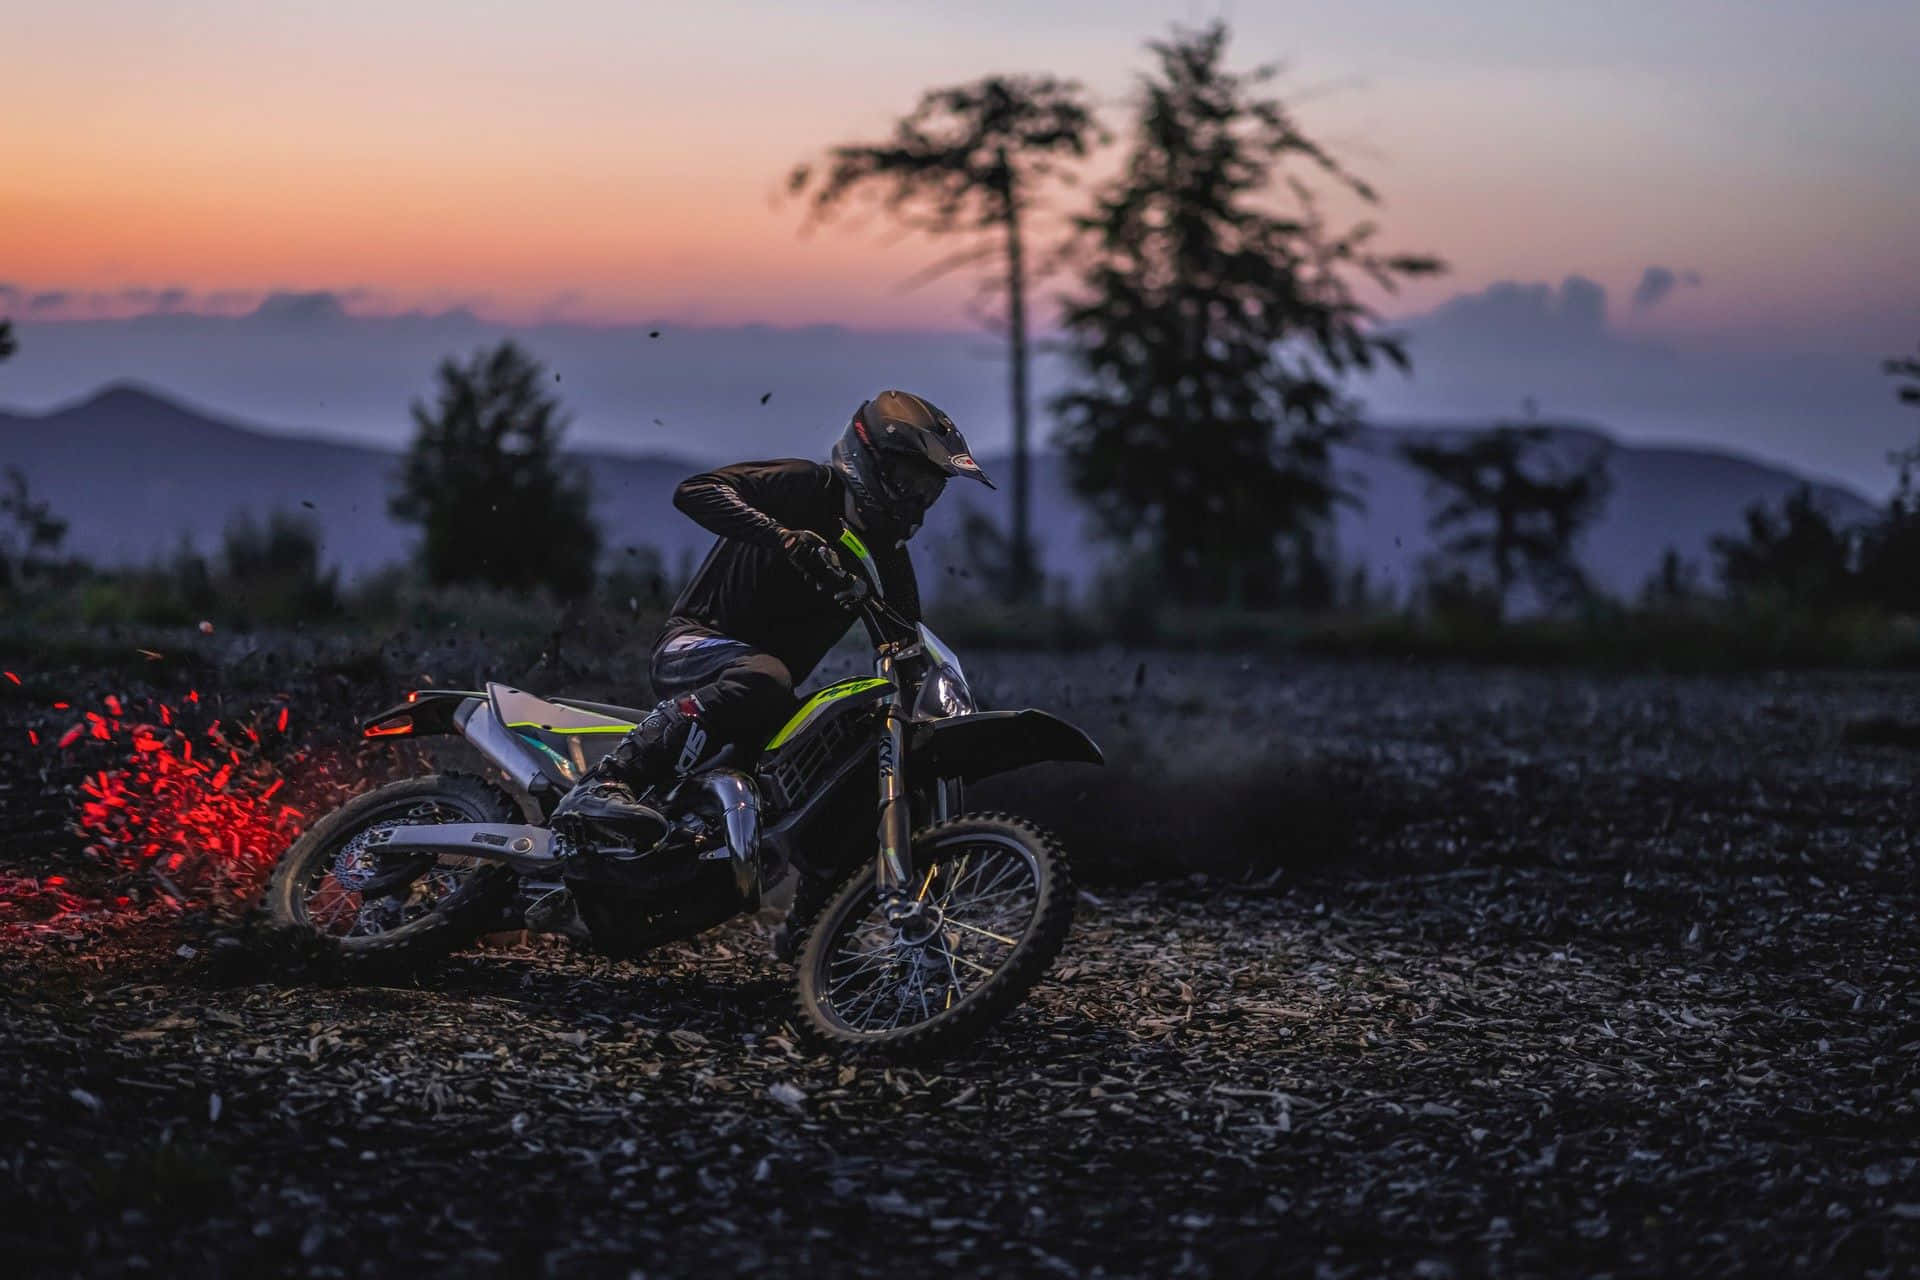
(222, 301)
(1516, 315)
(316, 309)
(1657, 282)
(154, 300)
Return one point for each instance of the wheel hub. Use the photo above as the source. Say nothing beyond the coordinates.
(920, 927)
(356, 865)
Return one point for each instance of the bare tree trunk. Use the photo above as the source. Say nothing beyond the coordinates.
(1020, 547)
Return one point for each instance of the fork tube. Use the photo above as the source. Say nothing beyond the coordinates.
(894, 868)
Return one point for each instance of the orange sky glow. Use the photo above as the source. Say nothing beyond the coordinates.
(591, 160)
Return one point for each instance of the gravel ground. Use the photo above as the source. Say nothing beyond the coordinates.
(1494, 973)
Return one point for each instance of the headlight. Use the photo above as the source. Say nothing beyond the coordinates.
(944, 694)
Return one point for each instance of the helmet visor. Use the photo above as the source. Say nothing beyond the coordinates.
(915, 479)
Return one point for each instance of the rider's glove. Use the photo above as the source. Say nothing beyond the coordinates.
(815, 559)
(852, 592)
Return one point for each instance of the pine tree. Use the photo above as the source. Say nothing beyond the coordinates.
(30, 534)
(1907, 495)
(1800, 558)
(1907, 367)
(485, 481)
(1210, 333)
(973, 161)
(1890, 549)
(1507, 501)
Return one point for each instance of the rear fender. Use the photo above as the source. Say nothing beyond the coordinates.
(979, 745)
(528, 764)
(425, 713)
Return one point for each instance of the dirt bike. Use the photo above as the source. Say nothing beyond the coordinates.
(911, 938)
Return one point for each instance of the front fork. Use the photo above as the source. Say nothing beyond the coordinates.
(894, 869)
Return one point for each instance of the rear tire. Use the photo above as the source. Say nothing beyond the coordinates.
(478, 899)
(841, 940)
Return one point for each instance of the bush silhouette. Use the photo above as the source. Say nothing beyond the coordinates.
(485, 481)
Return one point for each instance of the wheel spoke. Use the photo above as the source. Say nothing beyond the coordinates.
(997, 907)
(876, 964)
(955, 990)
(971, 964)
(997, 937)
(983, 891)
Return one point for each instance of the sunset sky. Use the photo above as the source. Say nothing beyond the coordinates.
(613, 159)
(595, 161)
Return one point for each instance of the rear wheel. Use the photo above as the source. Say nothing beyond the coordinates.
(379, 909)
(995, 900)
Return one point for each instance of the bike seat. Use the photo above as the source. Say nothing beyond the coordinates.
(632, 715)
(519, 709)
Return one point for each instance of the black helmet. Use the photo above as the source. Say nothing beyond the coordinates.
(896, 456)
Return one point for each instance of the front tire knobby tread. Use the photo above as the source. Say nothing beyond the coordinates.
(1008, 986)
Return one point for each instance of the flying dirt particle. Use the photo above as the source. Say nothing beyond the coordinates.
(654, 334)
(658, 423)
(206, 628)
(308, 504)
(151, 655)
(766, 397)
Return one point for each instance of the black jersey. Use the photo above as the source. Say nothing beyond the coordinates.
(748, 589)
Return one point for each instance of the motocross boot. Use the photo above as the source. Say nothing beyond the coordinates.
(609, 792)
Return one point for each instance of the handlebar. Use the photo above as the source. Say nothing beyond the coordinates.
(875, 608)
(853, 589)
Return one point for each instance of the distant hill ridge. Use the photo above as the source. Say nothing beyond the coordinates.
(134, 471)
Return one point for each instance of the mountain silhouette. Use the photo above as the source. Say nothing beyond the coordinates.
(135, 472)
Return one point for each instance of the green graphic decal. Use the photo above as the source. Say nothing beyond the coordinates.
(851, 541)
(831, 693)
(613, 726)
(566, 766)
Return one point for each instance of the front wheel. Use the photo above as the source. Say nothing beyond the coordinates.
(995, 899)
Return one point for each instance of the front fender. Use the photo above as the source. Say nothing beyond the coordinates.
(976, 746)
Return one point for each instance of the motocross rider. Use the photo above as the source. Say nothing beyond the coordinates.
(773, 595)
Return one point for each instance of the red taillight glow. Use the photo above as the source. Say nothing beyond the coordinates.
(389, 729)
